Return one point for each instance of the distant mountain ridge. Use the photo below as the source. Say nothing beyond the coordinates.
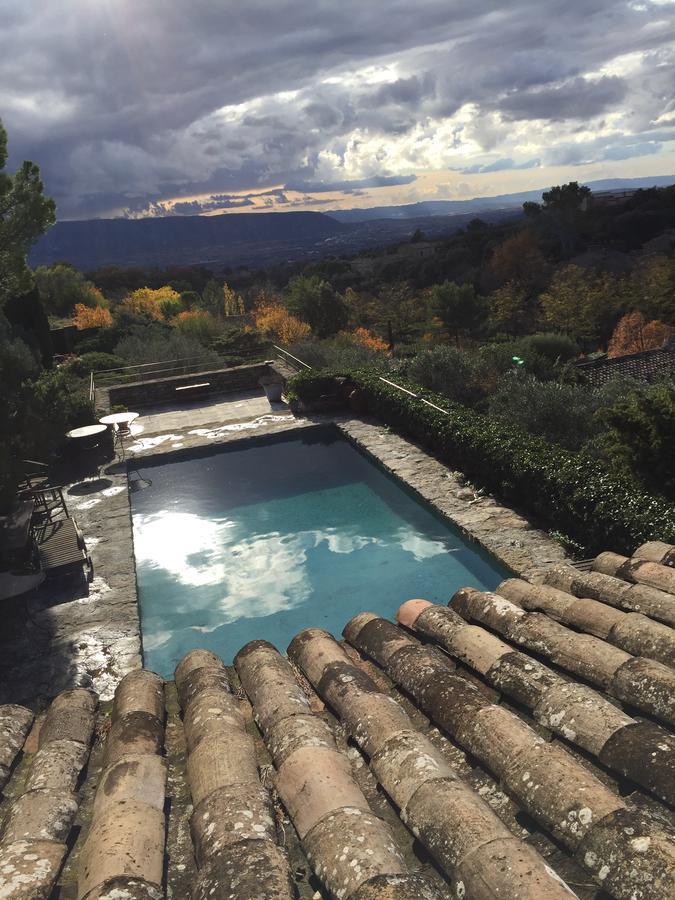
(477, 204)
(181, 240)
(267, 238)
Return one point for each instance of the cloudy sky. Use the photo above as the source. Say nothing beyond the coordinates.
(147, 107)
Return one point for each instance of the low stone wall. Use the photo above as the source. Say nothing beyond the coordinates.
(167, 390)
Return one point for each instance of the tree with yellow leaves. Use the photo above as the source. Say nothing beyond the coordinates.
(160, 303)
(91, 317)
(276, 322)
(519, 260)
(366, 339)
(233, 303)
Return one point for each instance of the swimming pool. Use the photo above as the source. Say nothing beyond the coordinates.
(264, 537)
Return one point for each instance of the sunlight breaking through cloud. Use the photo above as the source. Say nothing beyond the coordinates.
(179, 109)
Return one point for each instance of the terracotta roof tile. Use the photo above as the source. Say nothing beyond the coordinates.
(511, 744)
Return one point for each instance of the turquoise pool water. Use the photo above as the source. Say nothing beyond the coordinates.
(266, 537)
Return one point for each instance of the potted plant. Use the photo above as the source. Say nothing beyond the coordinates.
(273, 387)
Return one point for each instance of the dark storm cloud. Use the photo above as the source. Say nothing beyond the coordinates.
(322, 187)
(501, 165)
(194, 207)
(577, 98)
(119, 102)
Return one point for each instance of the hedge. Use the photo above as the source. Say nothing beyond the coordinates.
(567, 491)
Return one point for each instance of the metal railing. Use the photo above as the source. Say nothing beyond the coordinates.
(413, 394)
(290, 359)
(146, 371)
(192, 365)
(295, 362)
(187, 365)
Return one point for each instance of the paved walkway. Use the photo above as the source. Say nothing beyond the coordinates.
(240, 407)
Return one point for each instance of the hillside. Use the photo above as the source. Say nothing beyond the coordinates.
(258, 240)
(252, 240)
(184, 240)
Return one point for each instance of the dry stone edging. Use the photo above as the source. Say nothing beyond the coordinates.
(123, 854)
(643, 683)
(481, 857)
(351, 850)
(613, 591)
(38, 823)
(633, 632)
(641, 751)
(232, 825)
(500, 530)
(628, 854)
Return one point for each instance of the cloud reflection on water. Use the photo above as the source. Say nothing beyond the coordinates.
(245, 576)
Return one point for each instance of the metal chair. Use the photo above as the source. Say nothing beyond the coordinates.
(121, 432)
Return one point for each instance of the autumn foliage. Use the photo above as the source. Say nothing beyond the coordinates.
(91, 317)
(275, 321)
(366, 339)
(634, 333)
(158, 304)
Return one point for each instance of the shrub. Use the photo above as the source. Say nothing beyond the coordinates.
(91, 317)
(339, 352)
(366, 339)
(641, 435)
(569, 491)
(240, 342)
(54, 402)
(555, 347)
(157, 304)
(561, 413)
(543, 355)
(147, 346)
(461, 375)
(277, 322)
(94, 362)
(198, 324)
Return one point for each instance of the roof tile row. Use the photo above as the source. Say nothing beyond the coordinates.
(548, 692)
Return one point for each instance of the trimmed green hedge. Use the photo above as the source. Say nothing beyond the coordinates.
(568, 491)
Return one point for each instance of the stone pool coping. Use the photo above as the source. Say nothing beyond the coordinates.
(61, 635)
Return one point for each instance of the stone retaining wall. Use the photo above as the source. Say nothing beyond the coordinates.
(164, 390)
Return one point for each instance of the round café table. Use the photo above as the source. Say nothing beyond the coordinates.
(121, 418)
(85, 432)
